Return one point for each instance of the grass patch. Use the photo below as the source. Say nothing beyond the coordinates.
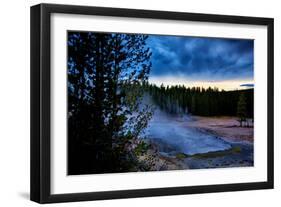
(181, 155)
(222, 153)
(236, 149)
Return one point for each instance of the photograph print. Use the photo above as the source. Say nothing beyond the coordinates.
(143, 102)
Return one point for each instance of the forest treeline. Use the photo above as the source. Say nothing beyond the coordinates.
(200, 101)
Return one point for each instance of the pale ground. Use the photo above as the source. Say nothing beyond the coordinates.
(224, 127)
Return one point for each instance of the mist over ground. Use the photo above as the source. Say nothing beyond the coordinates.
(170, 130)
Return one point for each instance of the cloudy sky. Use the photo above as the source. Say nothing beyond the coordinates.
(195, 61)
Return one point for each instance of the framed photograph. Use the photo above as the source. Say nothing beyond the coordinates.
(133, 103)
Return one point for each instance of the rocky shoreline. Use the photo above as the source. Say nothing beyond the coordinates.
(154, 160)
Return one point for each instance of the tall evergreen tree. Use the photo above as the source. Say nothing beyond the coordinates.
(105, 72)
(242, 109)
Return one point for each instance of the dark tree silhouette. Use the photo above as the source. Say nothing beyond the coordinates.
(242, 109)
(105, 72)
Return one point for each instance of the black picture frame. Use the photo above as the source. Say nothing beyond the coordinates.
(41, 95)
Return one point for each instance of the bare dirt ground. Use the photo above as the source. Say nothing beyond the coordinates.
(154, 161)
(224, 127)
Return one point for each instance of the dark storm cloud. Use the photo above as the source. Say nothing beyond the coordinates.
(247, 85)
(201, 58)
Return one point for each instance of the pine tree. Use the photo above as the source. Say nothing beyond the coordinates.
(105, 72)
(242, 109)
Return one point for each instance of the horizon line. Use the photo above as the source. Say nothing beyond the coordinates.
(226, 85)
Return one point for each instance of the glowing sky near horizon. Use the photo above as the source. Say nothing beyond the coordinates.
(226, 85)
(202, 62)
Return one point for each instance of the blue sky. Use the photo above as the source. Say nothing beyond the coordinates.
(205, 61)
